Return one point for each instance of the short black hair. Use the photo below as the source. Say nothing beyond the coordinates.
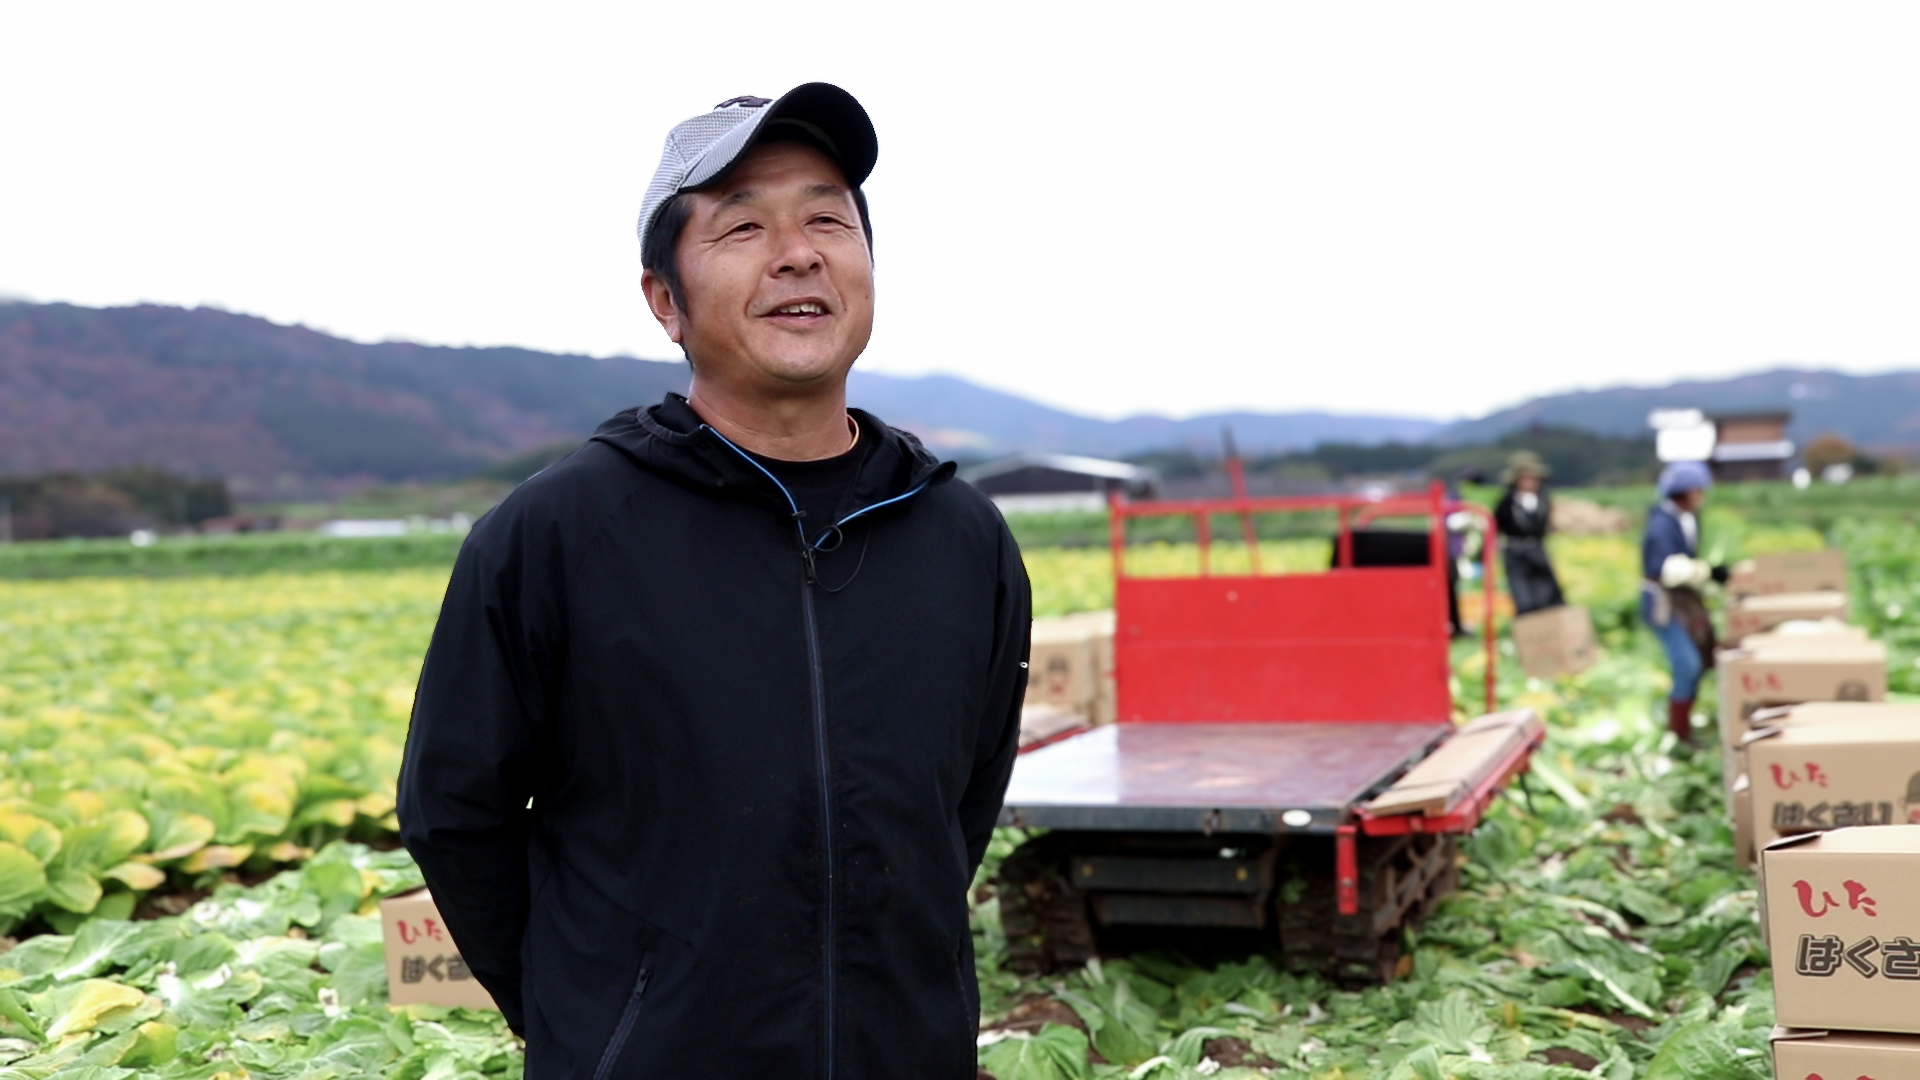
(661, 251)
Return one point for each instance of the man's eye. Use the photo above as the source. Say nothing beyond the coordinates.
(745, 226)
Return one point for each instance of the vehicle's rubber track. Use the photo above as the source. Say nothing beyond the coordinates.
(1049, 925)
(1044, 916)
(1402, 879)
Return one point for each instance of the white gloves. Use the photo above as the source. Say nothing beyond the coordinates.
(1681, 570)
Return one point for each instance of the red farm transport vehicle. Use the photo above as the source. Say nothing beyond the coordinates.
(1285, 761)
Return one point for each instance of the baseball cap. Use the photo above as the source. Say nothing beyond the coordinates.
(700, 151)
(1685, 476)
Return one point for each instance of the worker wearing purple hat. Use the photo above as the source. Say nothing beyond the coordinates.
(1670, 599)
(718, 716)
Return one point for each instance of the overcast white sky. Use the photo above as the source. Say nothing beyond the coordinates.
(1416, 208)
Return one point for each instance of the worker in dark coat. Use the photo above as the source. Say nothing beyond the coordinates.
(718, 716)
(1674, 574)
(1523, 516)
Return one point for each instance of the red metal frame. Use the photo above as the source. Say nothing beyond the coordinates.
(1346, 869)
(1463, 819)
(1465, 816)
(1349, 644)
(1490, 536)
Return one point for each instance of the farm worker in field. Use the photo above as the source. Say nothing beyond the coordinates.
(720, 710)
(1670, 598)
(1523, 515)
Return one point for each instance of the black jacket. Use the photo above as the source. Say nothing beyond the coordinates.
(693, 804)
(1516, 522)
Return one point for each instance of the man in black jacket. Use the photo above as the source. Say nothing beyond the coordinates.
(719, 712)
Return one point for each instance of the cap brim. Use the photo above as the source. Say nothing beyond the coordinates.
(828, 112)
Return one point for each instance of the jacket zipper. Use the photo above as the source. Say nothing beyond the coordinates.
(627, 1016)
(816, 673)
(818, 677)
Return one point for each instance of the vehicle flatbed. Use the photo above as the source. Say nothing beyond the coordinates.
(1213, 778)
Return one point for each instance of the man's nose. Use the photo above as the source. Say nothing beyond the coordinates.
(794, 252)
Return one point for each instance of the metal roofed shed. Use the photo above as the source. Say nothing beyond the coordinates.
(1738, 446)
(1056, 483)
(1751, 446)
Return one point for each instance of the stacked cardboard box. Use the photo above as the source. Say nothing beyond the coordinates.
(1809, 1055)
(1069, 675)
(1763, 723)
(1754, 614)
(1826, 765)
(1788, 669)
(1841, 915)
(1789, 572)
(1555, 641)
(1811, 746)
(1767, 723)
(1799, 630)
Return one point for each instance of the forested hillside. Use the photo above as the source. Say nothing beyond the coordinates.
(208, 393)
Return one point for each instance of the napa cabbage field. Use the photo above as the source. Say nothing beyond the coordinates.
(196, 777)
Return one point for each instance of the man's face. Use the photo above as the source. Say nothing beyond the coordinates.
(776, 275)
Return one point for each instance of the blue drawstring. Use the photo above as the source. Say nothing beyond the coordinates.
(808, 549)
(748, 458)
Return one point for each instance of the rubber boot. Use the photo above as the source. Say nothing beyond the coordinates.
(1680, 720)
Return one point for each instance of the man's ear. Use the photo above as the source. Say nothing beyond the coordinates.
(660, 302)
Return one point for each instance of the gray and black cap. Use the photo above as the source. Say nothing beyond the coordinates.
(700, 151)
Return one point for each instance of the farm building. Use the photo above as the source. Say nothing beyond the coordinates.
(1751, 446)
(1053, 483)
(1738, 446)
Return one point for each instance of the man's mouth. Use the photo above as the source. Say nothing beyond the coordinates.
(801, 307)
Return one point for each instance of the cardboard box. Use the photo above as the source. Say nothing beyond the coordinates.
(1442, 780)
(1070, 665)
(1832, 712)
(1764, 721)
(1831, 775)
(1789, 572)
(1740, 801)
(1740, 790)
(1841, 914)
(1061, 665)
(423, 966)
(1833, 669)
(1106, 700)
(1555, 641)
(1843, 1055)
(1042, 723)
(1804, 631)
(1753, 614)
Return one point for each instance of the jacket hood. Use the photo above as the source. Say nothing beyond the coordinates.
(671, 439)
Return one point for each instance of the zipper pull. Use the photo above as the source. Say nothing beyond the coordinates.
(813, 572)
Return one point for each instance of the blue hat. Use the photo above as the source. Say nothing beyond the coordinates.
(1685, 476)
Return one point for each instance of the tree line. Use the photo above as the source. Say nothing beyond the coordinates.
(115, 502)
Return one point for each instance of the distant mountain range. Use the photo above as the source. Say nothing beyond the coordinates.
(285, 410)
(1879, 412)
(961, 418)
